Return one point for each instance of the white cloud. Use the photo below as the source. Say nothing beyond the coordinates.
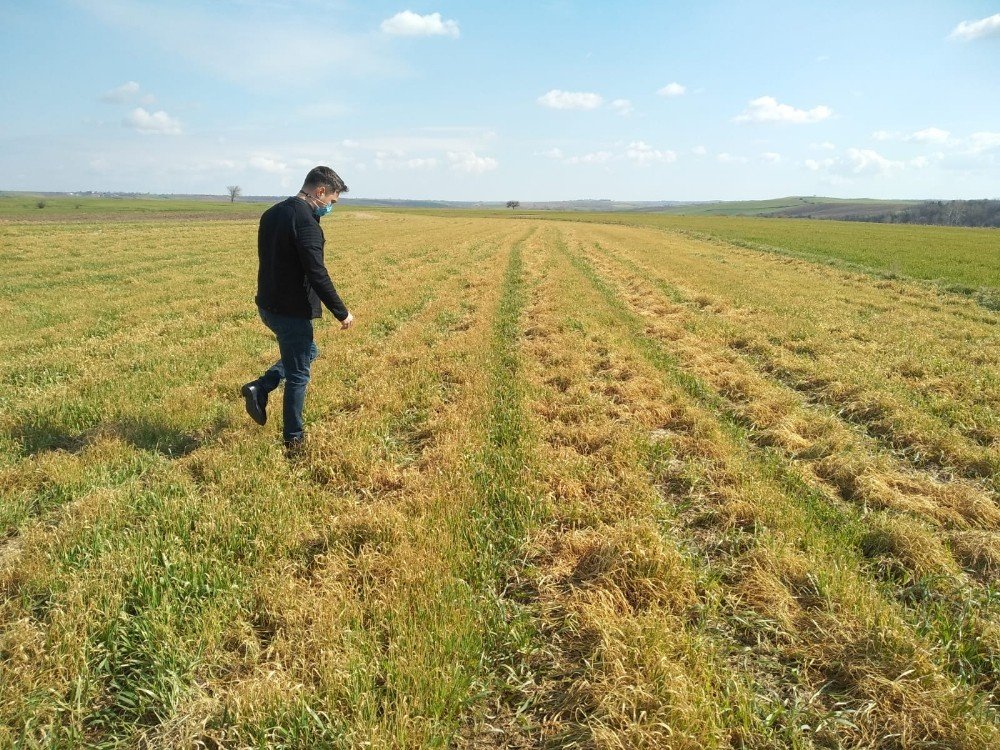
(557, 99)
(398, 160)
(552, 153)
(642, 153)
(927, 135)
(730, 159)
(771, 157)
(672, 89)
(979, 142)
(818, 164)
(699, 151)
(868, 161)
(128, 93)
(930, 135)
(158, 122)
(468, 161)
(984, 27)
(268, 164)
(767, 109)
(408, 23)
(622, 107)
(595, 157)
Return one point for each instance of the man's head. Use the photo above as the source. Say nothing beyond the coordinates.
(323, 185)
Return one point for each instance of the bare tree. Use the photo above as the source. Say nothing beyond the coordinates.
(513, 204)
(234, 192)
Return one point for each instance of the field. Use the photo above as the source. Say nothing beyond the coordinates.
(572, 481)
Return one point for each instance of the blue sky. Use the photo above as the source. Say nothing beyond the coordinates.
(495, 101)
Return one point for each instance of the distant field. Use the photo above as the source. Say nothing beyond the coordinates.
(603, 481)
(24, 208)
(962, 259)
(791, 206)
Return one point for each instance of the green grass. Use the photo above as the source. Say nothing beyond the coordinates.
(961, 259)
(85, 208)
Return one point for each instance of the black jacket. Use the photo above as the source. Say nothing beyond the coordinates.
(292, 278)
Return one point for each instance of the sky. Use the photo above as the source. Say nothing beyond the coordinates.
(544, 100)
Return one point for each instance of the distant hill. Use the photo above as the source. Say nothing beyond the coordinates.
(975, 213)
(796, 206)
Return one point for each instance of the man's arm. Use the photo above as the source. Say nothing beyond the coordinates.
(309, 244)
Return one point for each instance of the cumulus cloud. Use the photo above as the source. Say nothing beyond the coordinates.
(129, 92)
(819, 164)
(771, 157)
(557, 99)
(979, 142)
(622, 107)
(158, 122)
(552, 153)
(595, 157)
(642, 153)
(699, 151)
(927, 135)
(967, 31)
(859, 162)
(672, 89)
(725, 158)
(468, 161)
(767, 109)
(268, 164)
(930, 135)
(399, 160)
(408, 23)
(868, 161)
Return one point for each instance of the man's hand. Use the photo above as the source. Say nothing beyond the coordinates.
(347, 322)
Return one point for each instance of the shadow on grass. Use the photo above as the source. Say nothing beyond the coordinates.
(145, 434)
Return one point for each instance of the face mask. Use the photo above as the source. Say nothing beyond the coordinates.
(321, 210)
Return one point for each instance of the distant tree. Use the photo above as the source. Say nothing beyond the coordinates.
(234, 192)
(513, 204)
(40, 204)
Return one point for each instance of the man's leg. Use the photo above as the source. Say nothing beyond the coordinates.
(286, 329)
(272, 378)
(298, 350)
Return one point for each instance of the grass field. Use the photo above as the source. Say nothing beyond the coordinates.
(595, 482)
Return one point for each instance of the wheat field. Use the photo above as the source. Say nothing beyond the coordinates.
(569, 484)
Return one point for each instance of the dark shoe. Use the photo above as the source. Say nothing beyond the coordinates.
(256, 406)
(295, 446)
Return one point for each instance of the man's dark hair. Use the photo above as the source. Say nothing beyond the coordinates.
(324, 177)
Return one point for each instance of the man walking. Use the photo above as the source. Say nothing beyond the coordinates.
(291, 281)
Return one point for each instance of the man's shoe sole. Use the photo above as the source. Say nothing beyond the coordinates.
(257, 414)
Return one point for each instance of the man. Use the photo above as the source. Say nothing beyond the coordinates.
(291, 282)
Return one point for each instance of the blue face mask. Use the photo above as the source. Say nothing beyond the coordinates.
(319, 211)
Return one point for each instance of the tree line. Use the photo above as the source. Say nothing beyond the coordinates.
(974, 213)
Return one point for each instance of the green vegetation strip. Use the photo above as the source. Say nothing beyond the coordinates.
(835, 527)
(960, 260)
(498, 527)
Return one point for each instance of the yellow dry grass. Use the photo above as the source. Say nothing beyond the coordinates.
(568, 485)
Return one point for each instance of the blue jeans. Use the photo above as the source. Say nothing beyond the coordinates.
(298, 350)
